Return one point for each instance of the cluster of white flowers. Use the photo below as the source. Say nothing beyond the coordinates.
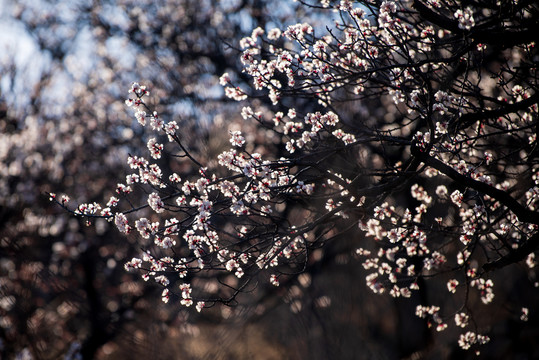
(471, 338)
(410, 242)
(433, 314)
(465, 18)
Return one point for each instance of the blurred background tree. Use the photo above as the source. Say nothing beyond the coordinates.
(64, 67)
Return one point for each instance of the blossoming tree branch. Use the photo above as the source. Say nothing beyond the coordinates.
(410, 126)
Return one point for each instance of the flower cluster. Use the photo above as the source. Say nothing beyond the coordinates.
(416, 169)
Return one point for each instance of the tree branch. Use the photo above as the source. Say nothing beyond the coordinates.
(468, 119)
(523, 214)
(514, 256)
